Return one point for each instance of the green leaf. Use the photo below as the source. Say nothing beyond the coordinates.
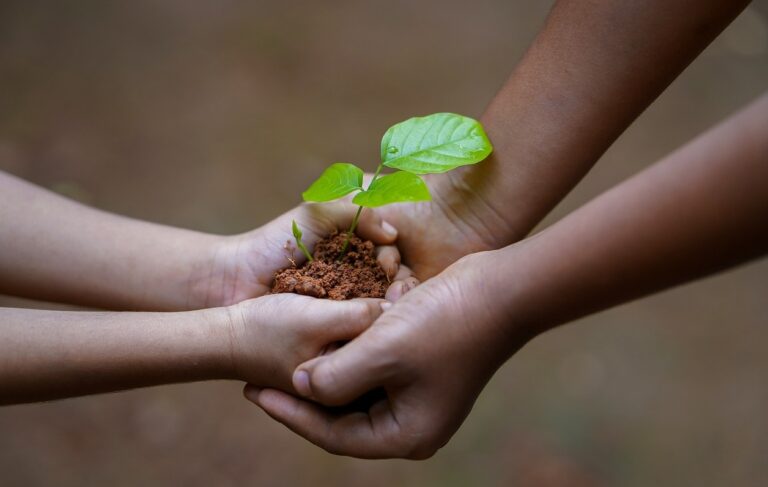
(296, 232)
(336, 181)
(297, 235)
(435, 143)
(397, 187)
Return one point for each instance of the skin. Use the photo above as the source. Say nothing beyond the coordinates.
(48, 355)
(698, 211)
(580, 84)
(594, 67)
(55, 249)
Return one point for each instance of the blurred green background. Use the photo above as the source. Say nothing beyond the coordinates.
(215, 115)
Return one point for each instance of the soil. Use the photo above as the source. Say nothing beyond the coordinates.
(356, 275)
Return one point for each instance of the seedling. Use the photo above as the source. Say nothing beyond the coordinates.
(421, 145)
(297, 235)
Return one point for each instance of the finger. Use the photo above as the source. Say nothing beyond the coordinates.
(354, 434)
(389, 258)
(398, 289)
(395, 291)
(352, 318)
(372, 227)
(321, 219)
(403, 272)
(345, 375)
(410, 283)
(330, 348)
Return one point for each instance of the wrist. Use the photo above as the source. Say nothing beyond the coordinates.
(465, 197)
(209, 272)
(215, 339)
(246, 346)
(532, 277)
(493, 287)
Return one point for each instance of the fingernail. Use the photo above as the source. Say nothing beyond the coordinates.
(386, 305)
(409, 284)
(391, 271)
(252, 393)
(389, 229)
(301, 383)
(395, 291)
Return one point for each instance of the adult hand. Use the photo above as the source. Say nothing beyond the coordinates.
(432, 353)
(436, 348)
(456, 222)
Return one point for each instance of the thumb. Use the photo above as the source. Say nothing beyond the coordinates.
(343, 376)
(372, 227)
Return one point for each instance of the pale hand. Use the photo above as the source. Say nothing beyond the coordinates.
(241, 267)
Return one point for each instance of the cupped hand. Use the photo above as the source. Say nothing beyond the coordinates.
(271, 335)
(456, 222)
(242, 266)
(432, 353)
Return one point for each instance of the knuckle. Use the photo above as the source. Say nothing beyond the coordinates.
(324, 382)
(372, 216)
(363, 313)
(332, 448)
(423, 444)
(421, 450)
(421, 453)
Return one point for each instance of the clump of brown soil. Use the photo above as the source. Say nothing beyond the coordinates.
(356, 275)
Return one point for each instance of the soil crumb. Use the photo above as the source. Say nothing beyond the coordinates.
(356, 275)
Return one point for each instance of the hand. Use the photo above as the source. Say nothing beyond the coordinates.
(271, 335)
(432, 353)
(457, 222)
(241, 267)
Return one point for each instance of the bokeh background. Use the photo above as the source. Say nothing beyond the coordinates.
(215, 115)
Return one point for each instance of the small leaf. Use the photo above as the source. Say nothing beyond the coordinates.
(297, 235)
(434, 144)
(336, 181)
(397, 187)
(296, 232)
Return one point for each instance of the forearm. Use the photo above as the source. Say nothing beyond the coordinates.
(595, 66)
(700, 210)
(47, 355)
(55, 249)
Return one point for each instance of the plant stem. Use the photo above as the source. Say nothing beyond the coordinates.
(304, 250)
(355, 220)
(350, 232)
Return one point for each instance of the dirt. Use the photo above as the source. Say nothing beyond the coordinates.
(356, 275)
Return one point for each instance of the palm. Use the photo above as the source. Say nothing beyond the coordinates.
(244, 265)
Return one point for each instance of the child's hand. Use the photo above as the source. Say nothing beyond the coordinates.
(270, 336)
(242, 266)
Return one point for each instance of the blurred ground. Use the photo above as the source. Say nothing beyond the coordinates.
(215, 115)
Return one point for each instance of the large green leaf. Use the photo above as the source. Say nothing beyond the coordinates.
(336, 181)
(397, 187)
(435, 143)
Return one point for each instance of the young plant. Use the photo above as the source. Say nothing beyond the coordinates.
(421, 145)
(297, 235)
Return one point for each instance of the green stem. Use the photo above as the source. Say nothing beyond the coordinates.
(355, 220)
(350, 232)
(304, 250)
